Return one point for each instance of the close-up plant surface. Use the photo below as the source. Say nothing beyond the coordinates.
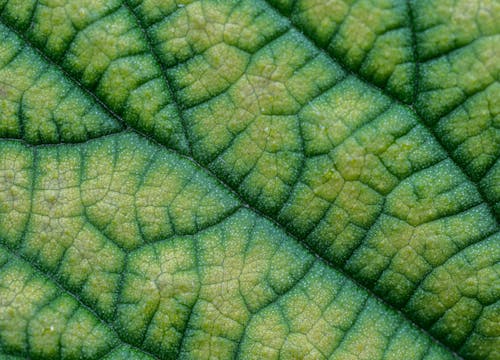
(251, 179)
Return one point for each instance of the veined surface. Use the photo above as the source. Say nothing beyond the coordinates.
(249, 179)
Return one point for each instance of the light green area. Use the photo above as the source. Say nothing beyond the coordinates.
(256, 179)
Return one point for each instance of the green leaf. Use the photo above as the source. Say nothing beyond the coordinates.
(251, 179)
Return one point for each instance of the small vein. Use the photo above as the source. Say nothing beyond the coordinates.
(163, 69)
(275, 301)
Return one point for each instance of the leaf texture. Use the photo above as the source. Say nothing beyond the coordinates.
(249, 179)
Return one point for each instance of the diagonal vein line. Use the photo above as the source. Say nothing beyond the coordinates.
(223, 183)
(410, 108)
(74, 296)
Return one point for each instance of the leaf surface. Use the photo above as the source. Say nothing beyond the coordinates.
(249, 179)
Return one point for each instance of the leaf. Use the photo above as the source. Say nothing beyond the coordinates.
(249, 179)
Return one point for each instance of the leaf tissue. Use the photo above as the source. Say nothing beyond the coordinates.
(249, 179)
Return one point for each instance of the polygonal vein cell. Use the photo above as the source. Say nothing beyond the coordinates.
(203, 287)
